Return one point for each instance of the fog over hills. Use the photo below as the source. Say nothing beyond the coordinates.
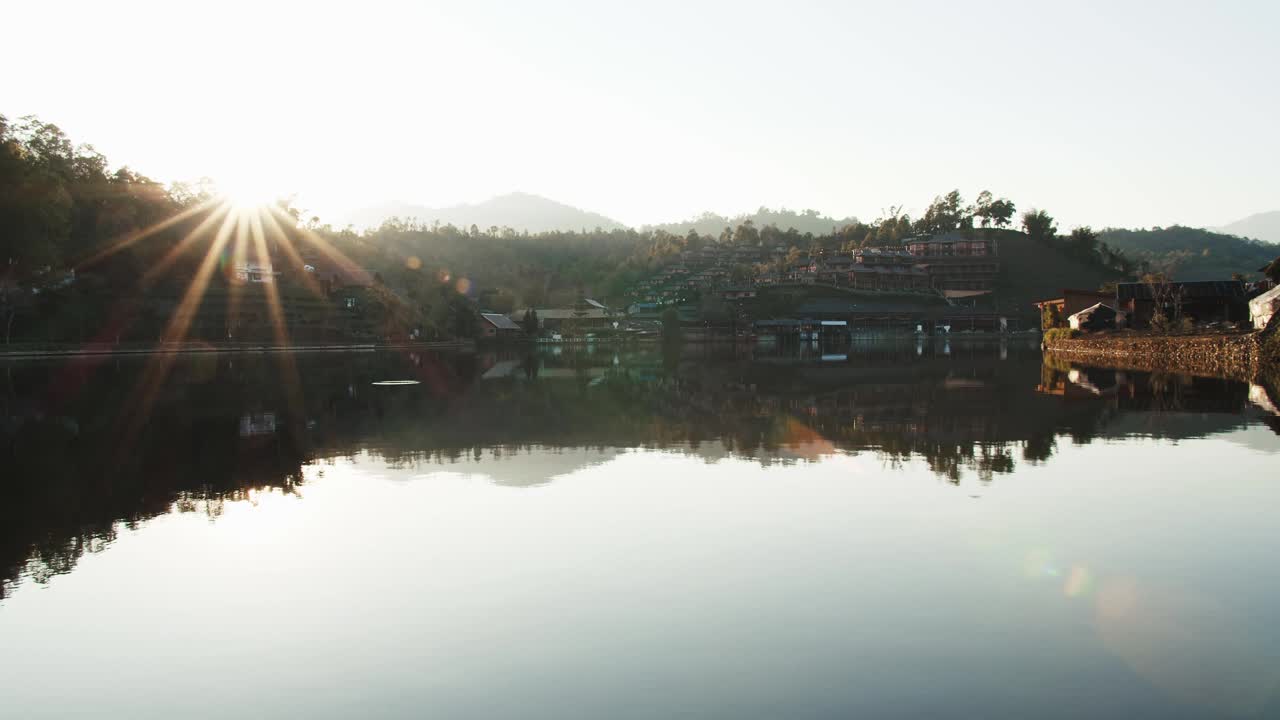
(1192, 251)
(521, 211)
(1263, 226)
(525, 211)
(805, 221)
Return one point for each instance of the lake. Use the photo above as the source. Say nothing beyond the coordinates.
(889, 529)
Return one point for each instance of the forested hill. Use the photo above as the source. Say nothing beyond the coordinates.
(1193, 253)
(524, 212)
(519, 211)
(1035, 269)
(805, 221)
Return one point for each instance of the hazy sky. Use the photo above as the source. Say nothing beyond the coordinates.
(1106, 113)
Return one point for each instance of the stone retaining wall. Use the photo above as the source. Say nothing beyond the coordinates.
(1229, 356)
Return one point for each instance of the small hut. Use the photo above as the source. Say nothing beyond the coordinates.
(1263, 307)
(1093, 318)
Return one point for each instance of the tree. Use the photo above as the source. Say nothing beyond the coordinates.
(530, 322)
(746, 234)
(982, 208)
(944, 214)
(1001, 212)
(1166, 299)
(1083, 241)
(1272, 270)
(1050, 317)
(990, 211)
(1039, 226)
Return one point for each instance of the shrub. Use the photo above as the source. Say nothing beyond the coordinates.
(1055, 334)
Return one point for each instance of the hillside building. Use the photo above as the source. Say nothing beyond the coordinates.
(959, 264)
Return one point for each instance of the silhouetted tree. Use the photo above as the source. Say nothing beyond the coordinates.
(1039, 226)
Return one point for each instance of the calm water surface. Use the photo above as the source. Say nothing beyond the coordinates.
(888, 530)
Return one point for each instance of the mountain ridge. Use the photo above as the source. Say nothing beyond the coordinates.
(1263, 226)
(1188, 253)
(516, 210)
(535, 213)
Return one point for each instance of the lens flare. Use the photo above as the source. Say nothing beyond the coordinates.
(1078, 582)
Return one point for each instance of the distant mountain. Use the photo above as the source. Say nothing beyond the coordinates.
(1193, 253)
(520, 211)
(1263, 226)
(805, 221)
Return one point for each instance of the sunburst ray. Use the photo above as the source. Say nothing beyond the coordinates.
(137, 235)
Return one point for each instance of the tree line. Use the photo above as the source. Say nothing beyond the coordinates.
(62, 207)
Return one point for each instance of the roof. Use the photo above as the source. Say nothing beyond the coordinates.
(502, 322)
(595, 304)
(894, 270)
(837, 306)
(1096, 308)
(1062, 299)
(1228, 289)
(947, 237)
(883, 251)
(569, 313)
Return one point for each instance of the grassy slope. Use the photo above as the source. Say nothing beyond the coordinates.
(1193, 253)
(1030, 271)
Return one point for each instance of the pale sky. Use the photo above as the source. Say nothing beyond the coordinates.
(1106, 113)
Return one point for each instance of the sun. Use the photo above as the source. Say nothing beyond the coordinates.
(248, 192)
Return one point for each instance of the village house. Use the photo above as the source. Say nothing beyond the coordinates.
(1200, 301)
(1070, 303)
(895, 278)
(254, 272)
(959, 265)
(738, 293)
(496, 326)
(584, 316)
(880, 257)
(1093, 318)
(831, 269)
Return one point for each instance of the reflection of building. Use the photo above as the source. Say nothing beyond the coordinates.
(257, 424)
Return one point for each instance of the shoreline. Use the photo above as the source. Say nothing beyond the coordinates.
(210, 349)
(1245, 356)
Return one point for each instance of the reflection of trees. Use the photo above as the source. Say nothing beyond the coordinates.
(73, 479)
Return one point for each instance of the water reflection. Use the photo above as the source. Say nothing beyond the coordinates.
(222, 428)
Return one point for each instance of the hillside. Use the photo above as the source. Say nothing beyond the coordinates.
(519, 211)
(1031, 271)
(1263, 226)
(1193, 253)
(805, 221)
